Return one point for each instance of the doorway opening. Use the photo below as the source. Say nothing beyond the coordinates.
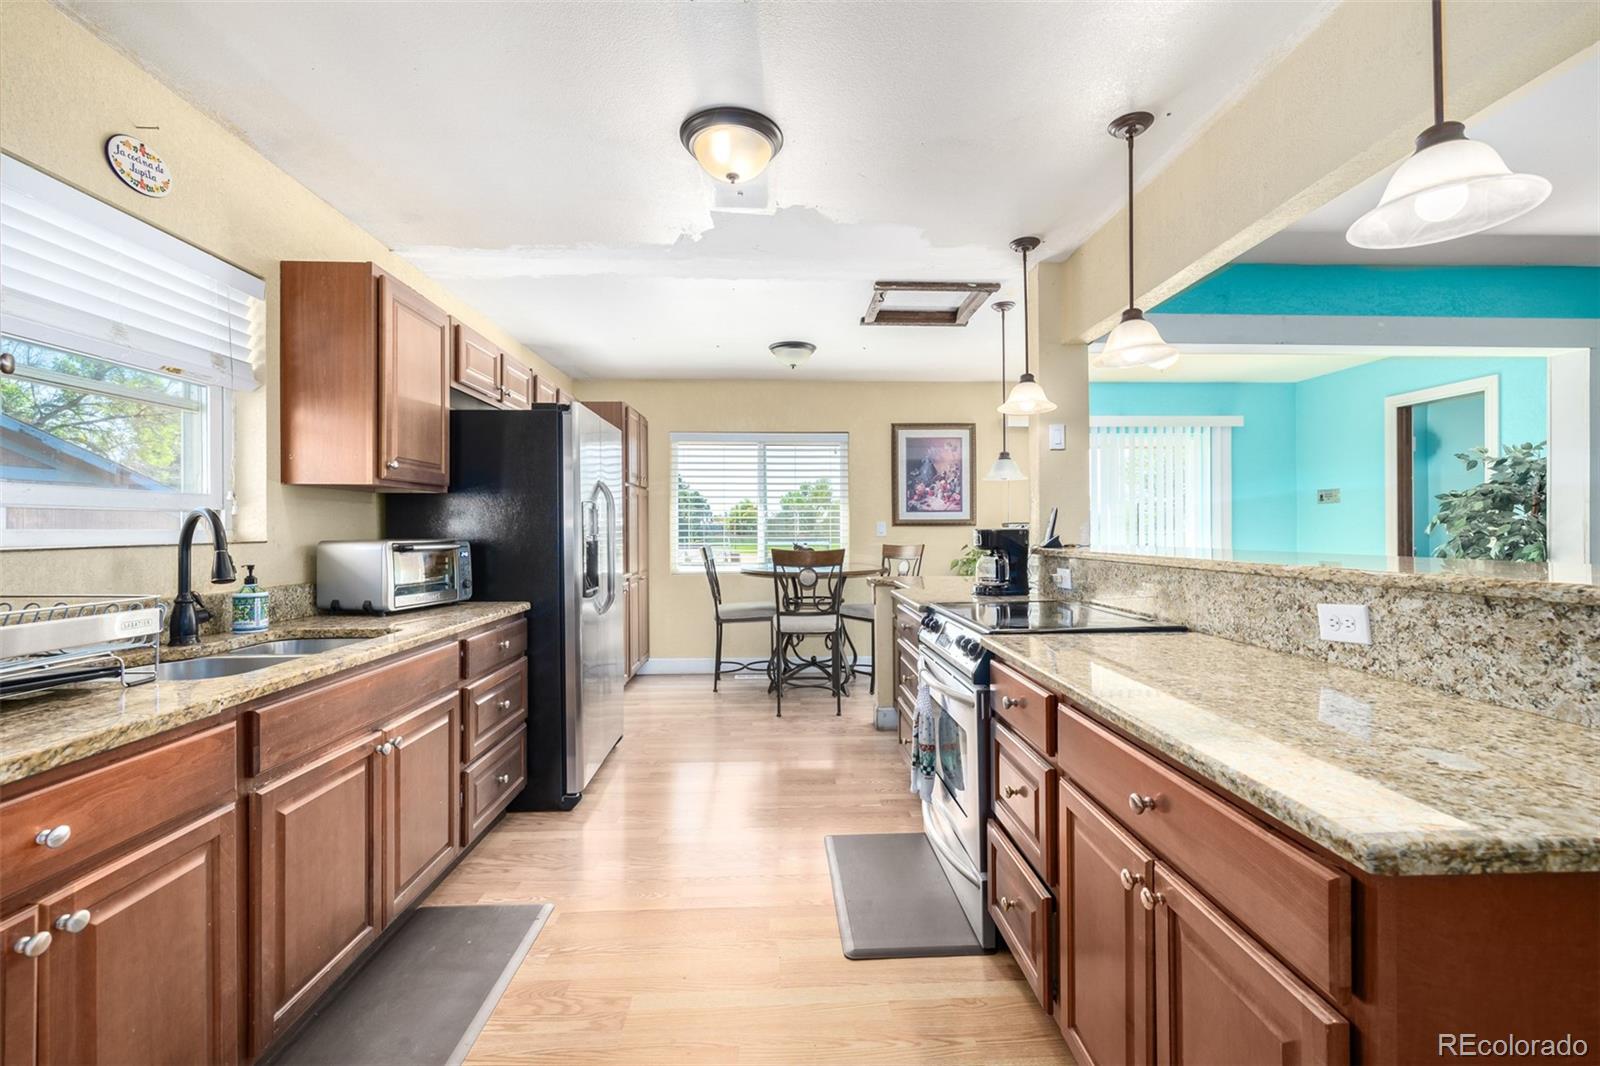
(1427, 432)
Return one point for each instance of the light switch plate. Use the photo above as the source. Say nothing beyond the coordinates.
(883, 529)
(1058, 437)
(1347, 623)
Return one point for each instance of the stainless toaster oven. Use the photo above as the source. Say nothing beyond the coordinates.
(379, 576)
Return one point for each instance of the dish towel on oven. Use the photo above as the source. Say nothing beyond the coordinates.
(923, 739)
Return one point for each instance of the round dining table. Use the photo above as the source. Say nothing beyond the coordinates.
(849, 569)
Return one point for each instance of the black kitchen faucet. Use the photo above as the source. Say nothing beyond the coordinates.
(187, 613)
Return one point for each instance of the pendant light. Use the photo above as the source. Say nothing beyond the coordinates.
(1026, 397)
(1135, 341)
(1005, 468)
(1450, 187)
(732, 144)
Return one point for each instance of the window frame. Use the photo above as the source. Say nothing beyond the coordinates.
(840, 439)
(1220, 485)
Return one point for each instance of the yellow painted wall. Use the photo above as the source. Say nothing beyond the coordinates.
(680, 604)
(62, 94)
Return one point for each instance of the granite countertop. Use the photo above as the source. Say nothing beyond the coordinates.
(38, 733)
(1396, 778)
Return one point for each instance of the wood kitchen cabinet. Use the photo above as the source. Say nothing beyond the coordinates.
(636, 448)
(545, 390)
(636, 525)
(144, 965)
(421, 835)
(19, 988)
(485, 372)
(516, 383)
(364, 376)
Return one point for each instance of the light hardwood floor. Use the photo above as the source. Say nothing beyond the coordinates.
(693, 915)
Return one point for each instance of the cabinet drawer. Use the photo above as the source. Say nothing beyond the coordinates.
(487, 651)
(1021, 906)
(492, 782)
(1024, 799)
(1028, 709)
(1294, 904)
(105, 807)
(493, 706)
(288, 728)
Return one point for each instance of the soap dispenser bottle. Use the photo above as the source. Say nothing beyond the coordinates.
(250, 604)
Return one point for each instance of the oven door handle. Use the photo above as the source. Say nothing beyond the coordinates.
(940, 687)
(961, 864)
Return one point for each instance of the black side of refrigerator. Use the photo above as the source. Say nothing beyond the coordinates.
(506, 499)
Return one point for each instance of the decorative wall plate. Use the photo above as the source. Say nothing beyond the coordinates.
(137, 164)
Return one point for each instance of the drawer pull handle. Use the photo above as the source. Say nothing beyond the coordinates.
(1150, 899)
(399, 741)
(906, 742)
(53, 838)
(503, 645)
(385, 748)
(1139, 804)
(1129, 879)
(76, 922)
(1008, 702)
(393, 464)
(505, 704)
(502, 779)
(1007, 903)
(33, 946)
(1014, 790)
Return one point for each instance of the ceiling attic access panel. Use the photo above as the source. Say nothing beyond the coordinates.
(926, 303)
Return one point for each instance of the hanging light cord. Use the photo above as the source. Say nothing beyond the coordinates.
(1005, 442)
(1438, 62)
(1027, 366)
(1130, 214)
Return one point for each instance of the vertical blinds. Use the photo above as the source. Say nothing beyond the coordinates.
(1159, 485)
(741, 494)
(83, 276)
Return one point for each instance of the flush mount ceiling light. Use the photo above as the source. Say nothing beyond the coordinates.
(1005, 468)
(1451, 187)
(792, 353)
(1135, 341)
(733, 144)
(1027, 397)
(926, 303)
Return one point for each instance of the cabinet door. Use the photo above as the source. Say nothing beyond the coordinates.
(637, 448)
(421, 815)
(317, 878)
(517, 382)
(628, 627)
(544, 391)
(19, 990)
(642, 610)
(154, 974)
(1104, 942)
(413, 388)
(476, 366)
(1221, 998)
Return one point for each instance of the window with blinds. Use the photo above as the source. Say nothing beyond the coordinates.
(120, 347)
(1160, 484)
(741, 494)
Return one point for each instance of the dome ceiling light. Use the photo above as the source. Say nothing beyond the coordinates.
(1135, 341)
(1005, 468)
(732, 144)
(1450, 187)
(792, 353)
(1027, 397)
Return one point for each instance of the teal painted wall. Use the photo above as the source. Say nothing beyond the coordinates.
(1324, 432)
(1442, 430)
(1408, 292)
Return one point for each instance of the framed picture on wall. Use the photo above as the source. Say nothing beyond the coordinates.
(932, 473)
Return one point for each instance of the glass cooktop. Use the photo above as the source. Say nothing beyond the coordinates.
(1047, 616)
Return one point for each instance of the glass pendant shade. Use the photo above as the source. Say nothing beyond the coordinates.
(1027, 398)
(732, 144)
(1450, 188)
(1136, 342)
(792, 353)
(1005, 468)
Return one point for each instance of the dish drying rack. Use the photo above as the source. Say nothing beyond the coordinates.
(49, 641)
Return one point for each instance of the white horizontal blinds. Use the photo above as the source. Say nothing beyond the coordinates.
(742, 494)
(1159, 486)
(83, 276)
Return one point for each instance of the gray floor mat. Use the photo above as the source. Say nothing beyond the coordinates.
(423, 998)
(893, 899)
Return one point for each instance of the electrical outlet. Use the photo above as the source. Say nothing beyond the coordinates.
(1063, 576)
(883, 529)
(1344, 622)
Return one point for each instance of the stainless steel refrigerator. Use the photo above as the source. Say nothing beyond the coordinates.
(538, 494)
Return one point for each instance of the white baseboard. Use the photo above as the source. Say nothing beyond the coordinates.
(699, 666)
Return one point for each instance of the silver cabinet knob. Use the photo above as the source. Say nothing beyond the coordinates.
(54, 838)
(33, 946)
(503, 645)
(1012, 790)
(1139, 804)
(385, 748)
(1009, 702)
(1150, 899)
(1006, 903)
(1129, 879)
(399, 741)
(505, 704)
(393, 464)
(502, 779)
(76, 922)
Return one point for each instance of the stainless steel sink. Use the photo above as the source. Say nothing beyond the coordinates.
(300, 646)
(216, 666)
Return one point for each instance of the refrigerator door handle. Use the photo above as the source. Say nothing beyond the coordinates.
(604, 490)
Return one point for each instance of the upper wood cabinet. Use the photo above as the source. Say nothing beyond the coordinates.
(636, 447)
(516, 384)
(486, 372)
(365, 378)
(545, 391)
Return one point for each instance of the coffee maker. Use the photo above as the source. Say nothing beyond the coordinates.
(1003, 565)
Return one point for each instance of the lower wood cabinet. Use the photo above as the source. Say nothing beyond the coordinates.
(420, 837)
(19, 988)
(1022, 909)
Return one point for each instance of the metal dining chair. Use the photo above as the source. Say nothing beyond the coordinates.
(732, 614)
(808, 594)
(899, 560)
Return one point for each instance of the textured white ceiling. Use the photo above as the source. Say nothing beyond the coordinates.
(1550, 128)
(527, 154)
